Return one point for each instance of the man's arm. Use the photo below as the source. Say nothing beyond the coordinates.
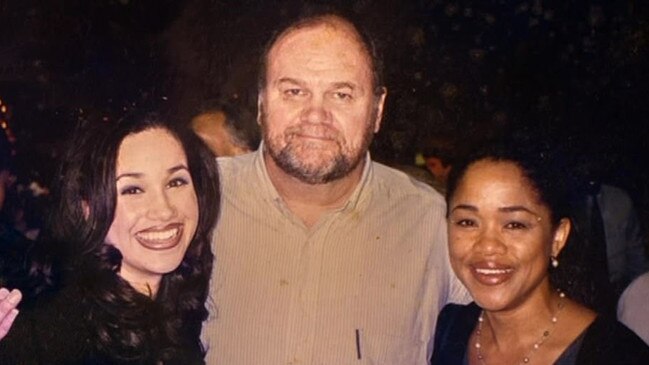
(8, 312)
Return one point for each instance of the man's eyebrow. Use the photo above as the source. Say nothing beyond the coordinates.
(289, 80)
(344, 84)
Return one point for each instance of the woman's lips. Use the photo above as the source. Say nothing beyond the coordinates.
(490, 273)
(160, 238)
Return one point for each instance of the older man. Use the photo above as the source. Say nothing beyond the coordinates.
(323, 256)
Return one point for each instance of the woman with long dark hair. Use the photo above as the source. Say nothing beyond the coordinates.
(121, 276)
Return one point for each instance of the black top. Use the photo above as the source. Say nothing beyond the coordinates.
(605, 342)
(50, 330)
(58, 325)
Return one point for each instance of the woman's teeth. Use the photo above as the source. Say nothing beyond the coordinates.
(159, 235)
(493, 271)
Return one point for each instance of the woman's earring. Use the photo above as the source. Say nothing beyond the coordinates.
(554, 261)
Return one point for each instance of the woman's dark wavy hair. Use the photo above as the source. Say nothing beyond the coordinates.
(545, 165)
(130, 326)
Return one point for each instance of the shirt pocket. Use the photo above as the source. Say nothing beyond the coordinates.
(381, 348)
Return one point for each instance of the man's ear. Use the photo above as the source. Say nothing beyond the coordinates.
(561, 234)
(380, 102)
(85, 208)
(260, 106)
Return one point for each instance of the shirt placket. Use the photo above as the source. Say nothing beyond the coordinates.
(303, 313)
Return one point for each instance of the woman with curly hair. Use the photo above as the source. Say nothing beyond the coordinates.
(509, 231)
(123, 276)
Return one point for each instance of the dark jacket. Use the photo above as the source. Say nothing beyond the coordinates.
(58, 324)
(50, 330)
(605, 342)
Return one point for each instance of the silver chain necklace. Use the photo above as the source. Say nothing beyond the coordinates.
(535, 346)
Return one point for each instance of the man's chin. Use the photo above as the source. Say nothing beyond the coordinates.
(314, 165)
(311, 174)
(315, 173)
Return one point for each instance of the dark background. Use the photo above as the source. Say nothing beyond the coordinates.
(577, 70)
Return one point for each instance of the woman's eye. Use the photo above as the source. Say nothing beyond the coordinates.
(131, 190)
(464, 223)
(515, 225)
(177, 182)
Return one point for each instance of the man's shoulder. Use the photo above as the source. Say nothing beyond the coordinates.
(234, 162)
(638, 287)
(399, 184)
(231, 167)
(614, 191)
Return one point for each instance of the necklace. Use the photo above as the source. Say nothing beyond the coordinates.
(535, 346)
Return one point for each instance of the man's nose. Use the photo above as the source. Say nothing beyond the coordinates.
(316, 110)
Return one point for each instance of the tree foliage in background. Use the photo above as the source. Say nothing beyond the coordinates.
(471, 69)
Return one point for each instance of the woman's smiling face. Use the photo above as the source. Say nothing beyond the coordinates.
(500, 235)
(157, 209)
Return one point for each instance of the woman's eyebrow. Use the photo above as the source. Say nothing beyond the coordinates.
(468, 207)
(135, 175)
(177, 168)
(516, 208)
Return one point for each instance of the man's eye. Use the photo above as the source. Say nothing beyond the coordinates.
(293, 92)
(131, 190)
(342, 95)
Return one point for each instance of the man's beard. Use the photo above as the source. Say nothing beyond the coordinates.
(288, 158)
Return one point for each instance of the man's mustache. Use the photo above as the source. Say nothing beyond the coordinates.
(314, 131)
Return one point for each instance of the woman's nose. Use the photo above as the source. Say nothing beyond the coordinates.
(489, 241)
(161, 208)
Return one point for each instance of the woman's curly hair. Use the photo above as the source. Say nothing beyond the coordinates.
(130, 327)
(547, 166)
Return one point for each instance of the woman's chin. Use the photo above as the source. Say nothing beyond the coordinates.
(492, 299)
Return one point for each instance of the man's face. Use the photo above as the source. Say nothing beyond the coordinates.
(318, 110)
(212, 129)
(437, 168)
(6, 179)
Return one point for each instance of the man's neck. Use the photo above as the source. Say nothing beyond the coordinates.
(310, 202)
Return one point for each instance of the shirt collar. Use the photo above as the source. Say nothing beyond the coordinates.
(360, 193)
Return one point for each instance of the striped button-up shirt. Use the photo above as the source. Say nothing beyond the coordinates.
(362, 286)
